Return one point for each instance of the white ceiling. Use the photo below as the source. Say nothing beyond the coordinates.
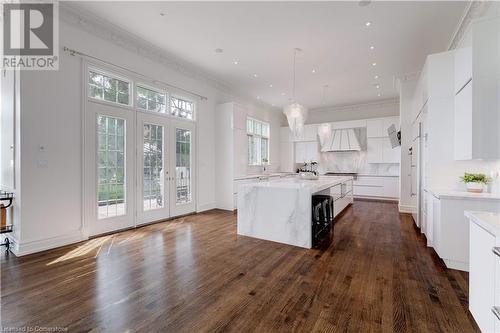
(261, 37)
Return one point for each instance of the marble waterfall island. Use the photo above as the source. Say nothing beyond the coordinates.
(280, 210)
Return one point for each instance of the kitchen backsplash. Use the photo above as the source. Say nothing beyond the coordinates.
(354, 162)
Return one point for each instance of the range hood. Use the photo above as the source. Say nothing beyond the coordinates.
(344, 139)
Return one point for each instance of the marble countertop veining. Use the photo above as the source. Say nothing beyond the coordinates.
(312, 186)
(488, 221)
(453, 194)
(274, 174)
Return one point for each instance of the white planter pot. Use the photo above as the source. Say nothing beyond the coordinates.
(474, 187)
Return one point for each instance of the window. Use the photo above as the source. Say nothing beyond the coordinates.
(109, 89)
(258, 142)
(181, 108)
(150, 100)
(153, 151)
(183, 165)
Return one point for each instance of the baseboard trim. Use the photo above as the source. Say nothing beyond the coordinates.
(22, 249)
(407, 209)
(458, 265)
(206, 206)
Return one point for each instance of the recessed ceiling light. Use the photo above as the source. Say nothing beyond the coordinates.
(368, 23)
(219, 50)
(372, 47)
(379, 95)
(283, 94)
(256, 75)
(313, 71)
(374, 64)
(236, 62)
(377, 86)
(376, 77)
(271, 85)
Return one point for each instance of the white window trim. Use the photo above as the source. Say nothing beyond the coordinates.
(260, 136)
(113, 75)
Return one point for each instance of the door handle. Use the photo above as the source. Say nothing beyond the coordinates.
(496, 311)
(496, 250)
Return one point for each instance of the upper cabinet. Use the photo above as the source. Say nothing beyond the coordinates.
(477, 86)
(310, 133)
(378, 144)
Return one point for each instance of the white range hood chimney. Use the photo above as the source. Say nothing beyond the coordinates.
(344, 139)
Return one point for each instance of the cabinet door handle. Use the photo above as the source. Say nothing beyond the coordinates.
(496, 250)
(496, 311)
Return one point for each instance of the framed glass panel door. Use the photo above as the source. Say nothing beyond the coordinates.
(182, 182)
(109, 168)
(152, 168)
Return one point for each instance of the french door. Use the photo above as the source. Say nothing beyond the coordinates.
(182, 184)
(109, 168)
(139, 168)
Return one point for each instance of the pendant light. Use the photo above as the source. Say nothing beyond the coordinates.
(295, 113)
(324, 130)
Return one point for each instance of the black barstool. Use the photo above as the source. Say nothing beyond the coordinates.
(322, 217)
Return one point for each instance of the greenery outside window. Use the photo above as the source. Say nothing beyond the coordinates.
(181, 108)
(107, 88)
(258, 142)
(150, 100)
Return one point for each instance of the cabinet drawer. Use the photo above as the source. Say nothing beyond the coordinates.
(370, 191)
(368, 181)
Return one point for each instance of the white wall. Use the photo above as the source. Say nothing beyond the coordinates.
(384, 108)
(51, 116)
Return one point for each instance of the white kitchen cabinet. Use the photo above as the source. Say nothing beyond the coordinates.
(306, 152)
(463, 121)
(389, 154)
(463, 67)
(477, 120)
(375, 147)
(374, 128)
(482, 277)
(450, 236)
(383, 187)
(309, 133)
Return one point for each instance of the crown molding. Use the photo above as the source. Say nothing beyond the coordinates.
(360, 106)
(475, 10)
(90, 23)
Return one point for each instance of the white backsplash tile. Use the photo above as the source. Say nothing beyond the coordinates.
(354, 162)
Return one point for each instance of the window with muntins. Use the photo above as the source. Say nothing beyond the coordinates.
(258, 142)
(107, 88)
(150, 100)
(181, 108)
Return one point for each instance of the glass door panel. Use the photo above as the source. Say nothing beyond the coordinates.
(182, 197)
(109, 168)
(153, 173)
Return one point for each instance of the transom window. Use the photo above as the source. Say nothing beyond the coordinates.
(181, 108)
(150, 100)
(258, 142)
(110, 88)
(107, 88)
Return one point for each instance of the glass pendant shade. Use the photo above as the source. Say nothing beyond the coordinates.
(296, 115)
(324, 133)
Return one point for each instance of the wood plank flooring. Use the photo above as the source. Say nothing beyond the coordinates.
(194, 274)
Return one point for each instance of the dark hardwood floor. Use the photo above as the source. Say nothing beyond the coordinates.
(195, 274)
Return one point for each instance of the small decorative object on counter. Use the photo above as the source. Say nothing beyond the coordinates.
(475, 182)
(308, 171)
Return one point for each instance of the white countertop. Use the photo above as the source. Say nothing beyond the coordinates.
(452, 194)
(312, 186)
(488, 221)
(274, 174)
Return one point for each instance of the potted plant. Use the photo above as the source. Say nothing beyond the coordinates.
(475, 182)
(308, 171)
